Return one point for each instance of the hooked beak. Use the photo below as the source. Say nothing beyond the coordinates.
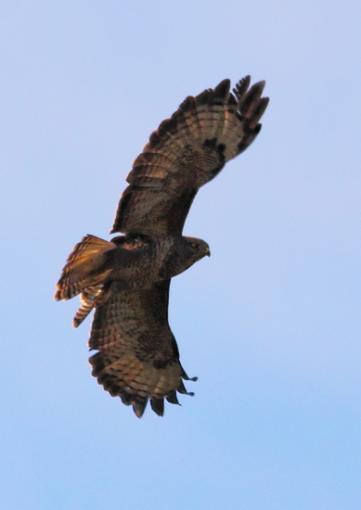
(208, 252)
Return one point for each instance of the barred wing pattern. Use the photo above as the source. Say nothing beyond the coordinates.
(137, 358)
(186, 151)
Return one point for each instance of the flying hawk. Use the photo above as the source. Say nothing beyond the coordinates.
(127, 279)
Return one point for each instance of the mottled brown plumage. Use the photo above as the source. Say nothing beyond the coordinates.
(127, 279)
(137, 356)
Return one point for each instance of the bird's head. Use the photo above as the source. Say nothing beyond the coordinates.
(196, 249)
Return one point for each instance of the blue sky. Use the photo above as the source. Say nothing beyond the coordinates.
(270, 323)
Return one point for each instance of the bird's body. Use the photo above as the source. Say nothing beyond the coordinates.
(133, 262)
(127, 279)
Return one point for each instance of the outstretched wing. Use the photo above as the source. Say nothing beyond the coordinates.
(137, 358)
(186, 151)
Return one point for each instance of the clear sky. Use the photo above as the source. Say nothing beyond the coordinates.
(270, 323)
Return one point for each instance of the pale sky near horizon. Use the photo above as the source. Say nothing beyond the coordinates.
(270, 323)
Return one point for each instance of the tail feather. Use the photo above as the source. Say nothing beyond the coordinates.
(84, 267)
(88, 300)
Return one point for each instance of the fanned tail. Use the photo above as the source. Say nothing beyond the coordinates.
(84, 269)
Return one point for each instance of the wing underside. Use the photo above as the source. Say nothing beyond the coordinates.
(186, 151)
(137, 358)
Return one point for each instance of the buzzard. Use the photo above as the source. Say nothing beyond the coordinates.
(126, 280)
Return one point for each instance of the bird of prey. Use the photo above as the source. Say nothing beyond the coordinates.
(126, 280)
